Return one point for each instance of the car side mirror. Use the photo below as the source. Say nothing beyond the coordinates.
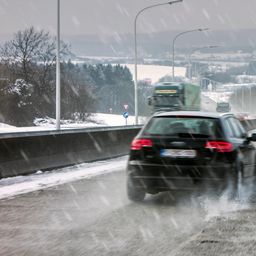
(252, 137)
(245, 135)
(149, 101)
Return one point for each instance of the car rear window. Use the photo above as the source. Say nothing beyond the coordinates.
(183, 126)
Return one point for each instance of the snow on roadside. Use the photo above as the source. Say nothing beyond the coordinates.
(96, 120)
(113, 120)
(218, 96)
(10, 187)
(6, 126)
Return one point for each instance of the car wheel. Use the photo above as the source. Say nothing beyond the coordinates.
(254, 172)
(235, 182)
(134, 192)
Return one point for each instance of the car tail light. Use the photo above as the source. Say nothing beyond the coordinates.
(219, 146)
(137, 144)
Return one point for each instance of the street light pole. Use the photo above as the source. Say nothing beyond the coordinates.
(136, 56)
(250, 103)
(194, 50)
(173, 44)
(58, 69)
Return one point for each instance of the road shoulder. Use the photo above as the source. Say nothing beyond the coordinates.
(232, 234)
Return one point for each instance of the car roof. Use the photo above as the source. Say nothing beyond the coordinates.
(193, 113)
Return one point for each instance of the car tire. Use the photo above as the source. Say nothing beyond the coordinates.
(134, 192)
(235, 183)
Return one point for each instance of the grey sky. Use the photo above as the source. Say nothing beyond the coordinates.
(117, 16)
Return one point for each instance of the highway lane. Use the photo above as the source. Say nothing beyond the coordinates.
(94, 217)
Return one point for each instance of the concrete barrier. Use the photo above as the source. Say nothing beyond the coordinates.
(27, 152)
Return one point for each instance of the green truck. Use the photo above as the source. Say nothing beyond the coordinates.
(170, 96)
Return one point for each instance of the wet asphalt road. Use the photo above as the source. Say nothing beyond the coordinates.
(94, 217)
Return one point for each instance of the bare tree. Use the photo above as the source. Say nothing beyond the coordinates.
(30, 57)
(31, 47)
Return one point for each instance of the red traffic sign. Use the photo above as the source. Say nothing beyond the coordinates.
(126, 106)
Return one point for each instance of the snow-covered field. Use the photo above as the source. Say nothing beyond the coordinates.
(155, 72)
(10, 187)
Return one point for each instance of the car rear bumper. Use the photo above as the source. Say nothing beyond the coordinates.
(179, 177)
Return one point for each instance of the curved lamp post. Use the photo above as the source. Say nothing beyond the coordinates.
(173, 44)
(135, 54)
(194, 50)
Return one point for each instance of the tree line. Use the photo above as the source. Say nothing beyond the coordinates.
(28, 78)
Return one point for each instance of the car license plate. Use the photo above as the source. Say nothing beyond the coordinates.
(178, 153)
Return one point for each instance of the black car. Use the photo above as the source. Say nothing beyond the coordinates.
(181, 150)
